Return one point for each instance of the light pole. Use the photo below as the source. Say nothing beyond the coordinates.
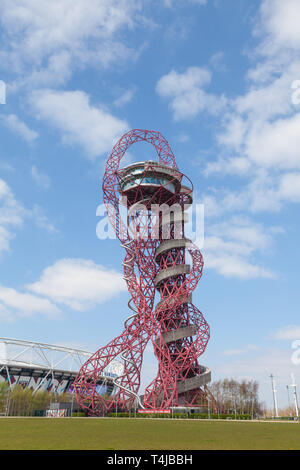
(294, 386)
(72, 402)
(274, 396)
(7, 403)
(289, 402)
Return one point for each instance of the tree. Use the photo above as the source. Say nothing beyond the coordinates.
(25, 402)
(233, 396)
(4, 391)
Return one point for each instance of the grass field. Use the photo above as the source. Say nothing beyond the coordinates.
(137, 434)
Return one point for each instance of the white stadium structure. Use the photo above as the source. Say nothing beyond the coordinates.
(42, 366)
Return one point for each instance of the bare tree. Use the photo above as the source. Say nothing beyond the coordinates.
(233, 396)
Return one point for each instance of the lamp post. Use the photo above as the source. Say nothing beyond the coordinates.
(7, 403)
(72, 402)
(274, 396)
(289, 401)
(294, 386)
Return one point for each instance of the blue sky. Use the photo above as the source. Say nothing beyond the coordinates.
(220, 81)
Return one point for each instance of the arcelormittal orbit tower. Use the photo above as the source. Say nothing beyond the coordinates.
(159, 259)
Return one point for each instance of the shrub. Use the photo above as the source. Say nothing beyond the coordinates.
(78, 414)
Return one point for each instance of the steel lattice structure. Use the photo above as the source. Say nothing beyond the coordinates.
(46, 366)
(156, 252)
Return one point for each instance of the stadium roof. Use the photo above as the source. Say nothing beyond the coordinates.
(43, 360)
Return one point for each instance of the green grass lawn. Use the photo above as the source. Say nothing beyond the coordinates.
(119, 434)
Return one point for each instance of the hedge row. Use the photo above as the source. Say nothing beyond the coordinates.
(78, 414)
(219, 416)
(180, 415)
(145, 415)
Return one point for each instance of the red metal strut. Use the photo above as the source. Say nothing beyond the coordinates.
(156, 249)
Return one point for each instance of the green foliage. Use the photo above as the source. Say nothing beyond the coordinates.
(179, 415)
(124, 414)
(78, 414)
(4, 387)
(24, 402)
(4, 390)
(219, 416)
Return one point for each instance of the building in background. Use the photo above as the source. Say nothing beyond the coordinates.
(41, 366)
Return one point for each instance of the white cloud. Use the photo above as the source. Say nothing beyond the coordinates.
(172, 3)
(275, 144)
(260, 136)
(10, 210)
(217, 61)
(93, 128)
(263, 127)
(175, 83)
(238, 352)
(46, 41)
(11, 215)
(186, 94)
(270, 99)
(5, 166)
(12, 122)
(40, 178)
(5, 238)
(125, 98)
(58, 71)
(25, 304)
(288, 332)
(233, 266)
(233, 166)
(212, 207)
(279, 20)
(263, 192)
(290, 187)
(230, 248)
(41, 220)
(182, 138)
(78, 283)
(233, 352)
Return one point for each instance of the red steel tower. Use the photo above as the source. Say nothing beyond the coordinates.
(158, 259)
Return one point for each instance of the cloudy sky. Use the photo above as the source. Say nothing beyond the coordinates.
(221, 81)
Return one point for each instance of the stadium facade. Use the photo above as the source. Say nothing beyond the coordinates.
(42, 366)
